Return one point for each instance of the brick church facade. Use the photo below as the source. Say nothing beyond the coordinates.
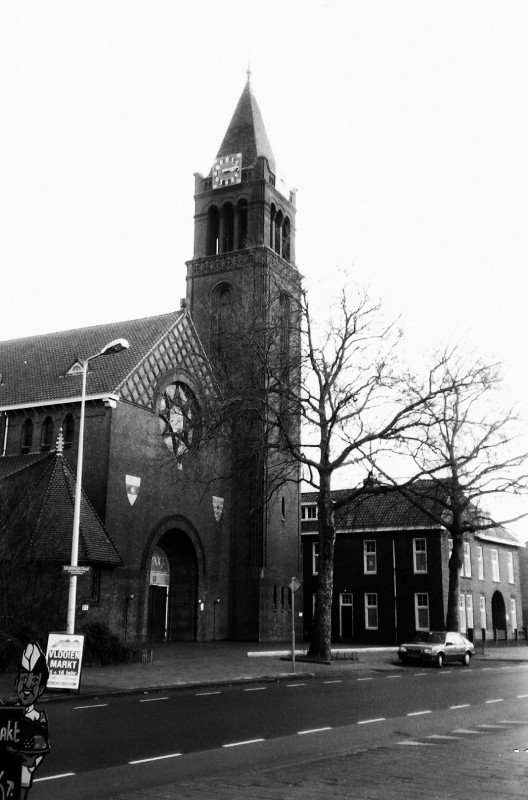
(181, 543)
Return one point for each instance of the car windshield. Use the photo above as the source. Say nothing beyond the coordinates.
(429, 637)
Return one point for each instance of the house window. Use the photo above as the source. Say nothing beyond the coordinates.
(469, 610)
(513, 613)
(67, 430)
(510, 568)
(420, 555)
(315, 558)
(495, 570)
(46, 434)
(371, 612)
(480, 561)
(27, 436)
(483, 623)
(421, 611)
(462, 613)
(308, 512)
(467, 560)
(369, 556)
(96, 585)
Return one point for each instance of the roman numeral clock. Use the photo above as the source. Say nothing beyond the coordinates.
(227, 170)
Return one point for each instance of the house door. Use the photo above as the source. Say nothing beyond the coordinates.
(346, 619)
(498, 612)
(158, 613)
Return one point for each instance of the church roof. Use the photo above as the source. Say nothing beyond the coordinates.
(246, 133)
(40, 511)
(34, 370)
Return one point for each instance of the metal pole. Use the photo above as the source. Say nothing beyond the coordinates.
(293, 629)
(72, 594)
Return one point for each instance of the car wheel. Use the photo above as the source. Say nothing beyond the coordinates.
(439, 660)
(466, 659)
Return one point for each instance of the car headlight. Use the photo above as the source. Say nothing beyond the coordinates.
(427, 651)
(403, 649)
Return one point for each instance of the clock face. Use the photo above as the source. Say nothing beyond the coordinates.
(227, 170)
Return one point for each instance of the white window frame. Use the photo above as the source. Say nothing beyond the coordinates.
(466, 559)
(309, 512)
(420, 606)
(371, 606)
(462, 620)
(480, 562)
(469, 611)
(422, 553)
(483, 612)
(315, 558)
(369, 553)
(513, 613)
(495, 565)
(511, 578)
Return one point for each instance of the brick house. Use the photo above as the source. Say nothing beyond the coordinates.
(179, 547)
(391, 573)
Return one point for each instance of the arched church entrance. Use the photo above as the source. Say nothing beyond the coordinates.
(173, 582)
(498, 612)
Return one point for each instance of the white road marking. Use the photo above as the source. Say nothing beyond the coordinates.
(418, 713)
(96, 705)
(521, 696)
(463, 705)
(465, 730)
(339, 681)
(153, 699)
(419, 674)
(248, 741)
(314, 730)
(365, 679)
(206, 694)
(416, 744)
(498, 700)
(294, 685)
(512, 722)
(256, 689)
(367, 721)
(54, 777)
(393, 676)
(441, 736)
(154, 758)
(491, 727)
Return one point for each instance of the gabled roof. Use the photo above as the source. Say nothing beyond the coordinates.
(246, 133)
(33, 370)
(41, 513)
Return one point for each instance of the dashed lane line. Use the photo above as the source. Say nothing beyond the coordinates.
(256, 689)
(95, 705)
(365, 679)
(368, 721)
(466, 731)
(462, 705)
(521, 696)
(393, 676)
(247, 741)
(442, 736)
(334, 681)
(206, 694)
(492, 727)
(314, 730)
(418, 713)
(154, 758)
(294, 685)
(496, 700)
(153, 699)
(414, 743)
(54, 777)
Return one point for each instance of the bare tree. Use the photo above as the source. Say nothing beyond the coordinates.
(469, 448)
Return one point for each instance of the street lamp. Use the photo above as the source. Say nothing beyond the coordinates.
(115, 346)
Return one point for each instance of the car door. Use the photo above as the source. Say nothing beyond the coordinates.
(452, 650)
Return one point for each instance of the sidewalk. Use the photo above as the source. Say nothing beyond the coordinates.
(196, 664)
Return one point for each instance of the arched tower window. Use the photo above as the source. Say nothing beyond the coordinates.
(228, 237)
(242, 214)
(68, 427)
(27, 436)
(46, 434)
(278, 233)
(273, 212)
(286, 233)
(221, 321)
(213, 231)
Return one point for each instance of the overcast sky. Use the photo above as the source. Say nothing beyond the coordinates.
(403, 125)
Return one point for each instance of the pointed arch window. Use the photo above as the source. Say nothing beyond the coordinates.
(286, 234)
(27, 435)
(228, 236)
(68, 427)
(242, 217)
(46, 434)
(273, 212)
(213, 231)
(278, 232)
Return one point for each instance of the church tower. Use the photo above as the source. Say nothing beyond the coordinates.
(244, 258)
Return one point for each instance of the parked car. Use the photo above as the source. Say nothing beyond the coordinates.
(437, 647)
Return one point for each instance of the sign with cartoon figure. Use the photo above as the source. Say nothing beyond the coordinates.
(64, 659)
(24, 739)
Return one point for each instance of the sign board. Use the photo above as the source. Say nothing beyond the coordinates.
(294, 584)
(11, 718)
(64, 660)
(75, 570)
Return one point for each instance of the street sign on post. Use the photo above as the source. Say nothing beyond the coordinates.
(294, 585)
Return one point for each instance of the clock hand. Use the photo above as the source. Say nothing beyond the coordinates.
(230, 169)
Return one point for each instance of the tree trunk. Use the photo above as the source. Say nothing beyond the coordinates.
(453, 595)
(321, 639)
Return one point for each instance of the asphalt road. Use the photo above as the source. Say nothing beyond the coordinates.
(142, 740)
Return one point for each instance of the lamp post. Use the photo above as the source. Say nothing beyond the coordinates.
(115, 346)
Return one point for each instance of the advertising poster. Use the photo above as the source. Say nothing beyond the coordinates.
(11, 718)
(64, 659)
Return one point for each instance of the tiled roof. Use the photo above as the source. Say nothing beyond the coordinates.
(392, 511)
(246, 133)
(43, 514)
(34, 370)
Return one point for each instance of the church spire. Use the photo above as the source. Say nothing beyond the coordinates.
(246, 133)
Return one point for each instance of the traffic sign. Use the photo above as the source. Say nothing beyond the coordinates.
(294, 584)
(71, 570)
